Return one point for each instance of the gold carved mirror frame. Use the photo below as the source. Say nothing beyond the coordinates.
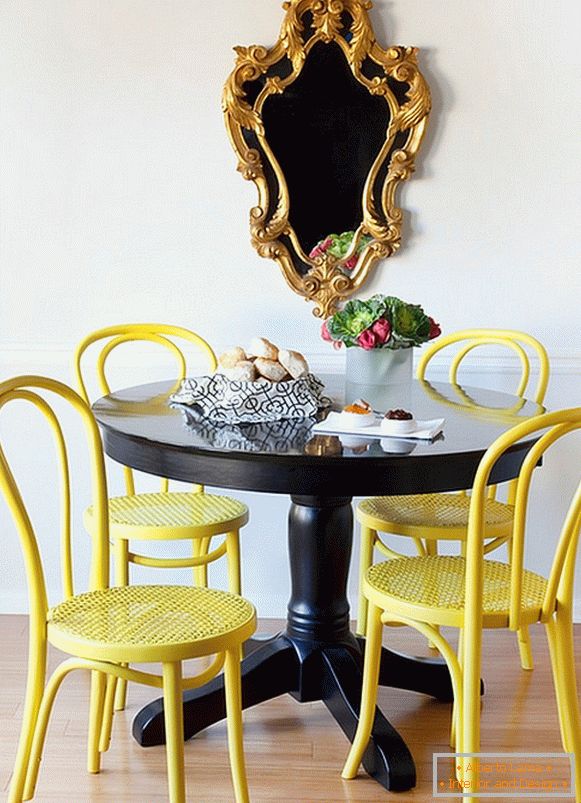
(392, 75)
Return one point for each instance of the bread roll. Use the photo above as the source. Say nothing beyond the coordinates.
(244, 371)
(261, 347)
(271, 369)
(232, 357)
(294, 362)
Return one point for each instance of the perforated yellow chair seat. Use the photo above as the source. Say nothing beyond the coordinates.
(436, 586)
(159, 516)
(146, 623)
(415, 515)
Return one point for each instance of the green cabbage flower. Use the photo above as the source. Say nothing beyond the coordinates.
(387, 321)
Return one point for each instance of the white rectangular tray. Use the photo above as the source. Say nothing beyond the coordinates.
(425, 430)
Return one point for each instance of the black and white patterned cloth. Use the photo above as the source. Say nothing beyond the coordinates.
(219, 399)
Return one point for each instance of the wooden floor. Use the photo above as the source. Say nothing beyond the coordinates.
(294, 752)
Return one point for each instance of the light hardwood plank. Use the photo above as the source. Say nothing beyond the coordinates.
(294, 752)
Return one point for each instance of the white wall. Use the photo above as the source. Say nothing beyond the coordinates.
(119, 200)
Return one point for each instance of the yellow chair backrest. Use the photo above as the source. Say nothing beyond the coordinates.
(474, 338)
(35, 389)
(561, 577)
(157, 333)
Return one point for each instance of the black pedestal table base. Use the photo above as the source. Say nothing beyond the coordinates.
(317, 658)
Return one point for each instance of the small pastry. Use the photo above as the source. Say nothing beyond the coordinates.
(271, 369)
(232, 357)
(294, 362)
(398, 422)
(359, 406)
(261, 347)
(244, 371)
(358, 415)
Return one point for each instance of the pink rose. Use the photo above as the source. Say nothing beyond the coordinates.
(316, 252)
(326, 244)
(382, 330)
(435, 330)
(366, 340)
(350, 264)
(325, 333)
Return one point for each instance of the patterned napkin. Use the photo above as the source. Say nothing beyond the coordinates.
(222, 400)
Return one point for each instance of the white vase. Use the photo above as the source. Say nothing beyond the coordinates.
(383, 377)
(379, 366)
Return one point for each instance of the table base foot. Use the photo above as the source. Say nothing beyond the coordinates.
(387, 758)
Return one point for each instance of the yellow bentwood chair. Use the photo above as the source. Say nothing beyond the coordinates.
(472, 593)
(106, 628)
(163, 516)
(429, 518)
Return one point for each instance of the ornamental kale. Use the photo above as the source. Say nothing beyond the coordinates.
(380, 322)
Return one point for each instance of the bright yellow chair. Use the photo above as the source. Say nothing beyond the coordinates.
(429, 518)
(163, 516)
(107, 628)
(472, 593)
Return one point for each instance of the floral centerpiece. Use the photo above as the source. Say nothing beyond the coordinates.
(338, 245)
(381, 322)
(380, 334)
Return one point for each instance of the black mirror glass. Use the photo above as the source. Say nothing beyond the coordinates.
(325, 131)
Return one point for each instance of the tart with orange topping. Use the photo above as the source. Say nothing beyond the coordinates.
(358, 414)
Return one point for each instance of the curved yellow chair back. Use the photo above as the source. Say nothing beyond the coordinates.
(561, 578)
(26, 388)
(159, 333)
(474, 338)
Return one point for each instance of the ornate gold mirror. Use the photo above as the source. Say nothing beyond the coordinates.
(326, 123)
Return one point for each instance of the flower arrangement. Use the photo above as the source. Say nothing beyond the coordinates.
(338, 245)
(381, 322)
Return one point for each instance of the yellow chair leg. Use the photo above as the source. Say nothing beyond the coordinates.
(98, 683)
(369, 692)
(560, 633)
(233, 689)
(525, 649)
(553, 652)
(456, 728)
(44, 712)
(470, 718)
(367, 542)
(108, 711)
(174, 731)
(233, 553)
(432, 549)
(121, 558)
(200, 548)
(34, 692)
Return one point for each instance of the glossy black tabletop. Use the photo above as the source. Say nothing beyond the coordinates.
(142, 430)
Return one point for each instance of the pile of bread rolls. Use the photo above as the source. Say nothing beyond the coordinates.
(262, 362)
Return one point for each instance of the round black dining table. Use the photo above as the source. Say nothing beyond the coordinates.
(317, 657)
